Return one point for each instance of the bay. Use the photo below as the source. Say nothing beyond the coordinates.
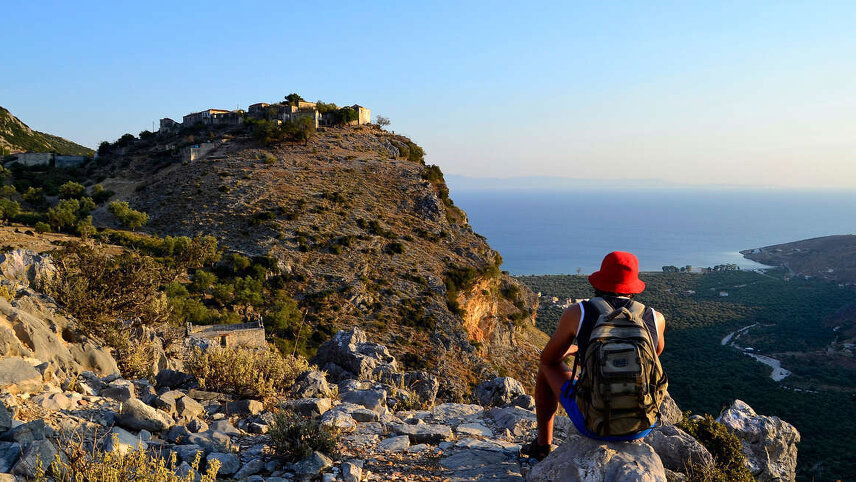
(570, 230)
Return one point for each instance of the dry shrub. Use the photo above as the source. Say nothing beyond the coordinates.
(137, 360)
(96, 466)
(100, 289)
(245, 372)
(294, 437)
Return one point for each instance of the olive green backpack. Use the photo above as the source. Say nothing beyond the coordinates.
(621, 383)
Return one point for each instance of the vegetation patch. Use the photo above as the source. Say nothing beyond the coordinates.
(294, 437)
(729, 460)
(245, 372)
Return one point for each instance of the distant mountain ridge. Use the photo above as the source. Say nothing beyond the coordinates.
(15, 136)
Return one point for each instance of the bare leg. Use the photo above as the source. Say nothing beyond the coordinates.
(548, 386)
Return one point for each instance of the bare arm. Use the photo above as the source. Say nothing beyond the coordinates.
(661, 330)
(561, 343)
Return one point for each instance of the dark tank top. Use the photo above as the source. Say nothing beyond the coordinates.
(591, 315)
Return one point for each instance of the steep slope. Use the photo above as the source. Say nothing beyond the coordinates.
(15, 136)
(366, 237)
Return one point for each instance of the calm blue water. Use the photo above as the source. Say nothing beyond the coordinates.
(558, 232)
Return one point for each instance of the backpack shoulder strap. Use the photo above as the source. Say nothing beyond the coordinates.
(636, 309)
(602, 306)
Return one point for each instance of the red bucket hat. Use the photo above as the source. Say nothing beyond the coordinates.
(619, 273)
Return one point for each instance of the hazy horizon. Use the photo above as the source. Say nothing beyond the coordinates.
(727, 93)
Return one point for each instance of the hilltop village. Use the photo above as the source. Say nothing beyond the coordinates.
(294, 109)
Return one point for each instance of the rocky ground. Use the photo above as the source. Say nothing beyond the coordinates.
(60, 391)
(446, 441)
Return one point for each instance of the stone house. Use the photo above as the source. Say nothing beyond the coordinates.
(203, 117)
(245, 335)
(194, 152)
(258, 110)
(168, 125)
(35, 158)
(288, 112)
(49, 159)
(68, 161)
(364, 116)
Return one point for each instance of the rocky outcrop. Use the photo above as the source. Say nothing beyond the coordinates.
(25, 268)
(32, 327)
(349, 356)
(583, 459)
(768, 442)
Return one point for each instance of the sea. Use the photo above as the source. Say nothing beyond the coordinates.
(568, 231)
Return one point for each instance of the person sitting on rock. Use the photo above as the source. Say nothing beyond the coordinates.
(616, 385)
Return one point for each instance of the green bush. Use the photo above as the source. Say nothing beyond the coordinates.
(294, 437)
(68, 212)
(101, 195)
(35, 196)
(130, 218)
(9, 209)
(729, 461)
(283, 317)
(42, 227)
(72, 190)
(8, 191)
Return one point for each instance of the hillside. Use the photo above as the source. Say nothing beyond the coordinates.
(15, 136)
(831, 258)
(363, 232)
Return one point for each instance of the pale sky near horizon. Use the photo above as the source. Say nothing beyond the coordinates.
(743, 93)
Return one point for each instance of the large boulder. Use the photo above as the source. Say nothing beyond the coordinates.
(33, 327)
(136, 415)
(348, 355)
(26, 268)
(498, 392)
(584, 459)
(39, 451)
(768, 442)
(311, 384)
(678, 449)
(19, 376)
(670, 413)
(424, 385)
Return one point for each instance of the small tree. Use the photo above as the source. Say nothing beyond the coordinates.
(293, 98)
(131, 218)
(35, 196)
(7, 191)
(101, 195)
(64, 214)
(382, 121)
(85, 228)
(72, 190)
(8, 209)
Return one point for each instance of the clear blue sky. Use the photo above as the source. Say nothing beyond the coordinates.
(686, 92)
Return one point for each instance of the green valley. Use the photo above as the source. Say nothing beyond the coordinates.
(793, 321)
